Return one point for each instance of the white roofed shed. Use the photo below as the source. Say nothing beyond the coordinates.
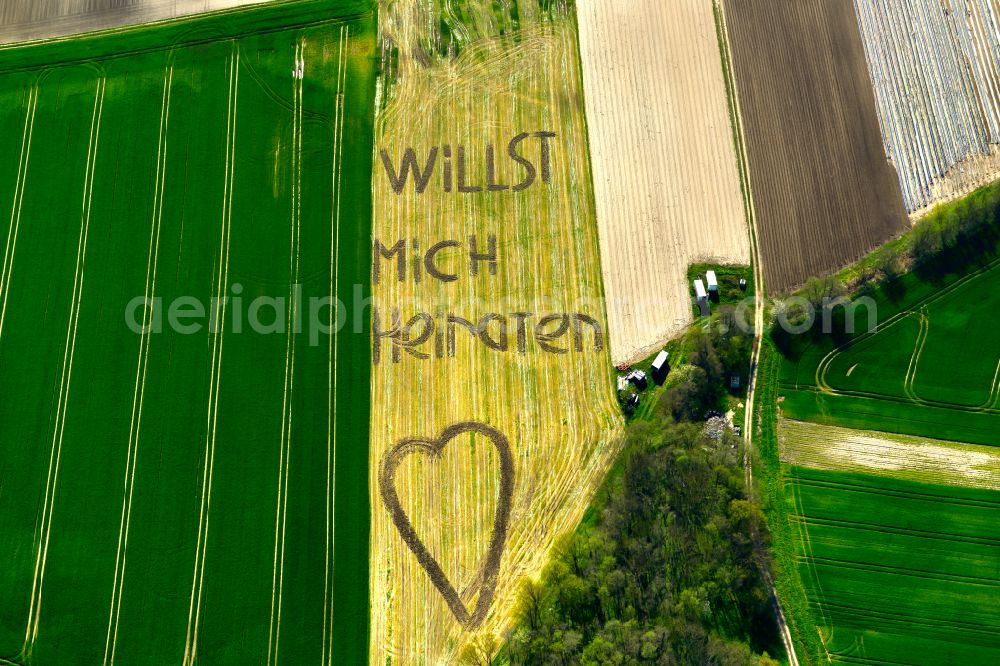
(699, 290)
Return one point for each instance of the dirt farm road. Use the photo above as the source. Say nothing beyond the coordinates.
(758, 328)
(786, 635)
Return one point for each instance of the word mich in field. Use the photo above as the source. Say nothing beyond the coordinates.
(426, 262)
(424, 335)
(453, 169)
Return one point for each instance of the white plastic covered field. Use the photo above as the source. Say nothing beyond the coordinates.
(935, 67)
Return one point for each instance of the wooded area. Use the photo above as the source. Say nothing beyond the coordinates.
(666, 567)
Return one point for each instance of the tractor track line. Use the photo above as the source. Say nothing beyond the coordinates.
(194, 608)
(138, 395)
(281, 509)
(15, 214)
(331, 440)
(52, 478)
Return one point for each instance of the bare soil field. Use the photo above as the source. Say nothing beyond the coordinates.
(663, 158)
(22, 20)
(898, 456)
(824, 192)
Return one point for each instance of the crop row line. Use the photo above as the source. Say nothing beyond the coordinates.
(890, 492)
(902, 571)
(891, 529)
(909, 619)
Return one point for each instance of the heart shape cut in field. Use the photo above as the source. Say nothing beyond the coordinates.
(489, 568)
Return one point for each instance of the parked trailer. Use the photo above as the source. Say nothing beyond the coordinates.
(699, 291)
(661, 361)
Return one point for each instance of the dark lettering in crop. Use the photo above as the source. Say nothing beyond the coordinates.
(453, 322)
(432, 268)
(456, 172)
(528, 166)
(492, 330)
(460, 166)
(480, 331)
(491, 184)
(378, 333)
(415, 246)
(409, 164)
(522, 330)
(428, 262)
(411, 344)
(578, 320)
(546, 155)
(500, 342)
(546, 338)
(379, 252)
(447, 169)
(490, 256)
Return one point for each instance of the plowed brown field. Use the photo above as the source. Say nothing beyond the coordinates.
(823, 191)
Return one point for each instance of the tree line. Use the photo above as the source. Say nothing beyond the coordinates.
(667, 566)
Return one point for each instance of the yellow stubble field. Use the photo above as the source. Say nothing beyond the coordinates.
(557, 410)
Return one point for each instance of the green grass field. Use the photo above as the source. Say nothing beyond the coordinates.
(890, 568)
(932, 368)
(898, 571)
(186, 496)
(728, 277)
